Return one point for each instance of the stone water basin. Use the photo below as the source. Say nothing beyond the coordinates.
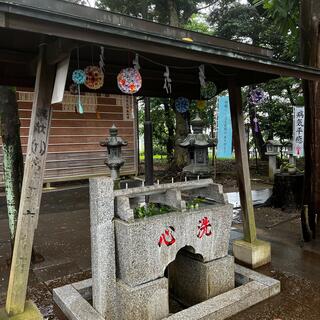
(146, 246)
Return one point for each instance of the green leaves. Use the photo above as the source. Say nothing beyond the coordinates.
(197, 22)
(151, 209)
(285, 15)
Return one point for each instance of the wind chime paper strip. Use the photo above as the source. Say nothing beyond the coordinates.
(224, 147)
(298, 131)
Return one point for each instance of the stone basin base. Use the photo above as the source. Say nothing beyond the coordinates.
(192, 281)
(71, 301)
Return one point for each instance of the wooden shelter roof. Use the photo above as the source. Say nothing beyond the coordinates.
(25, 24)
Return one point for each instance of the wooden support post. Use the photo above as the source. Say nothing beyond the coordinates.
(250, 250)
(148, 145)
(32, 185)
(239, 140)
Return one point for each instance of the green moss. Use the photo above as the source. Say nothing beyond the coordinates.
(8, 171)
(31, 312)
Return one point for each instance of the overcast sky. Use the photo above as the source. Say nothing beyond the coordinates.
(91, 2)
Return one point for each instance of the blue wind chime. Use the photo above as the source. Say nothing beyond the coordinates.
(78, 77)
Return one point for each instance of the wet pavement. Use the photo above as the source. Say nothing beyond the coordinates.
(295, 264)
(63, 239)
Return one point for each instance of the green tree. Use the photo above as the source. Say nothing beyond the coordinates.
(12, 154)
(198, 23)
(305, 23)
(245, 23)
(276, 113)
(13, 166)
(173, 12)
(162, 117)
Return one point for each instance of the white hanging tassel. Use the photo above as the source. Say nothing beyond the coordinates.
(136, 62)
(202, 77)
(101, 61)
(167, 80)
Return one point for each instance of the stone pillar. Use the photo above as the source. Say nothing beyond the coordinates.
(272, 166)
(103, 247)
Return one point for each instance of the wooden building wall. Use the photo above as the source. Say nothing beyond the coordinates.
(74, 151)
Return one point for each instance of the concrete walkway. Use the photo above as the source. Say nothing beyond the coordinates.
(64, 241)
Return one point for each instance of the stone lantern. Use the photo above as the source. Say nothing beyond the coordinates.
(289, 147)
(273, 149)
(114, 159)
(197, 144)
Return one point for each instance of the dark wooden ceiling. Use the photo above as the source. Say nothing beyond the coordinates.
(25, 24)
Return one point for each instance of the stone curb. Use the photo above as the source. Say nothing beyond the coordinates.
(254, 288)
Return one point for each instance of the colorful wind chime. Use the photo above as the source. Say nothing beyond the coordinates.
(256, 97)
(129, 79)
(92, 77)
(95, 74)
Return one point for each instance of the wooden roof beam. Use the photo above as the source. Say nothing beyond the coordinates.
(60, 50)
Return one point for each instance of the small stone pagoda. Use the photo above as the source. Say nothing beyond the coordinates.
(197, 144)
(114, 159)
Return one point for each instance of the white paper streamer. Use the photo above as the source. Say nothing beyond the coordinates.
(101, 61)
(167, 80)
(136, 62)
(202, 77)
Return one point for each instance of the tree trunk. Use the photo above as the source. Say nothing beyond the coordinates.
(310, 53)
(170, 127)
(180, 154)
(12, 154)
(173, 13)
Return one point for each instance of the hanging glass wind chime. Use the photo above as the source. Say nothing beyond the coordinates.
(256, 97)
(79, 78)
(129, 79)
(95, 74)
